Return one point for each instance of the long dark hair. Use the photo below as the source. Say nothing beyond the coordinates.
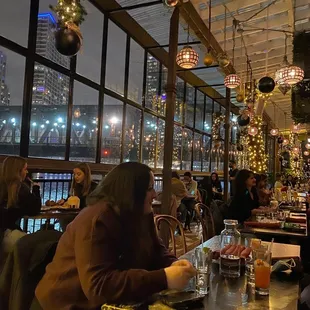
(10, 180)
(217, 180)
(75, 190)
(240, 181)
(124, 188)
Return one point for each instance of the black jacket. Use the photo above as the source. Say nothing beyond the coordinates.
(241, 206)
(25, 267)
(28, 203)
(78, 192)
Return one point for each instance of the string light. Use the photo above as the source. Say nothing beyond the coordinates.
(257, 157)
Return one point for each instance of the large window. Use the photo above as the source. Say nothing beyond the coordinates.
(161, 143)
(187, 149)
(14, 20)
(136, 68)
(45, 43)
(132, 134)
(149, 140)
(152, 82)
(200, 103)
(50, 97)
(12, 69)
(89, 60)
(177, 148)
(112, 131)
(208, 115)
(105, 105)
(115, 65)
(197, 152)
(206, 148)
(189, 108)
(84, 123)
(179, 102)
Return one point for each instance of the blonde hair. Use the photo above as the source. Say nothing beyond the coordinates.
(10, 180)
(86, 183)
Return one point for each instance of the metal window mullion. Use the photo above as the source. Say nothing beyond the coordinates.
(101, 90)
(70, 107)
(28, 80)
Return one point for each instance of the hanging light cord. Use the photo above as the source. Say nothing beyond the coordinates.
(210, 16)
(267, 39)
(225, 24)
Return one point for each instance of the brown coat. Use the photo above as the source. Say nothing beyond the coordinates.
(96, 263)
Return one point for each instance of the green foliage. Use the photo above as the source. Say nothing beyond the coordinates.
(69, 11)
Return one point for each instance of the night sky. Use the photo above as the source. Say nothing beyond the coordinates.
(14, 19)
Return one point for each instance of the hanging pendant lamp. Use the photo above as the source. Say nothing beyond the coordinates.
(274, 131)
(187, 58)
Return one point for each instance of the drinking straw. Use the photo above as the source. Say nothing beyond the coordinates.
(270, 247)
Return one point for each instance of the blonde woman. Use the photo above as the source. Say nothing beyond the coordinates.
(82, 184)
(16, 200)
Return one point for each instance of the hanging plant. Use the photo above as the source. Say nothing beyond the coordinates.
(68, 36)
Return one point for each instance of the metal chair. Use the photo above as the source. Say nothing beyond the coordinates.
(205, 217)
(172, 224)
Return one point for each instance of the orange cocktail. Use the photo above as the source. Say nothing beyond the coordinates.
(262, 263)
(262, 274)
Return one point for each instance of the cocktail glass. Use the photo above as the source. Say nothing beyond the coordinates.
(262, 268)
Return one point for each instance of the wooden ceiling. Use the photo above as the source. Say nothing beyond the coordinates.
(266, 49)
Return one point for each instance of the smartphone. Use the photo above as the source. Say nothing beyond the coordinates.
(183, 300)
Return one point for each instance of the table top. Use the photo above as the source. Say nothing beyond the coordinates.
(53, 214)
(276, 232)
(235, 294)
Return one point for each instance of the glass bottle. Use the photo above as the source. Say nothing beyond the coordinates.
(230, 250)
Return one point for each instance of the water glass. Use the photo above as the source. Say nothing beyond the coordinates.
(262, 269)
(253, 243)
(202, 263)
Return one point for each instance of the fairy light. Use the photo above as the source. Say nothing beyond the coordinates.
(257, 157)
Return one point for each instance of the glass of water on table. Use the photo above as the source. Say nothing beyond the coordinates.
(254, 244)
(202, 262)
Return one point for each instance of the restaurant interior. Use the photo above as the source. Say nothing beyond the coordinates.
(200, 107)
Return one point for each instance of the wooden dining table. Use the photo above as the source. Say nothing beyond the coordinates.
(236, 294)
(48, 214)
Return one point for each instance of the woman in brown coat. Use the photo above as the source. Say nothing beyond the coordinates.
(110, 253)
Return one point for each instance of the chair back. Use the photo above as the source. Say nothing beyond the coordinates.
(172, 223)
(205, 217)
(203, 194)
(24, 268)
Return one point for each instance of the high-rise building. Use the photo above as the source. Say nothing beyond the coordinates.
(4, 90)
(49, 86)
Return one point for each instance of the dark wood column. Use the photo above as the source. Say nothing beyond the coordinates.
(170, 107)
(226, 144)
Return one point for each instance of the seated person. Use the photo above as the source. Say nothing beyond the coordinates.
(245, 201)
(278, 184)
(290, 181)
(264, 194)
(217, 190)
(190, 184)
(178, 189)
(16, 201)
(111, 253)
(81, 185)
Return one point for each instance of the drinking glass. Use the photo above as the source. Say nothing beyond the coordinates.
(281, 217)
(262, 268)
(202, 263)
(253, 243)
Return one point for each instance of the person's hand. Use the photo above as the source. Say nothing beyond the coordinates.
(182, 262)
(179, 276)
(35, 184)
(60, 202)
